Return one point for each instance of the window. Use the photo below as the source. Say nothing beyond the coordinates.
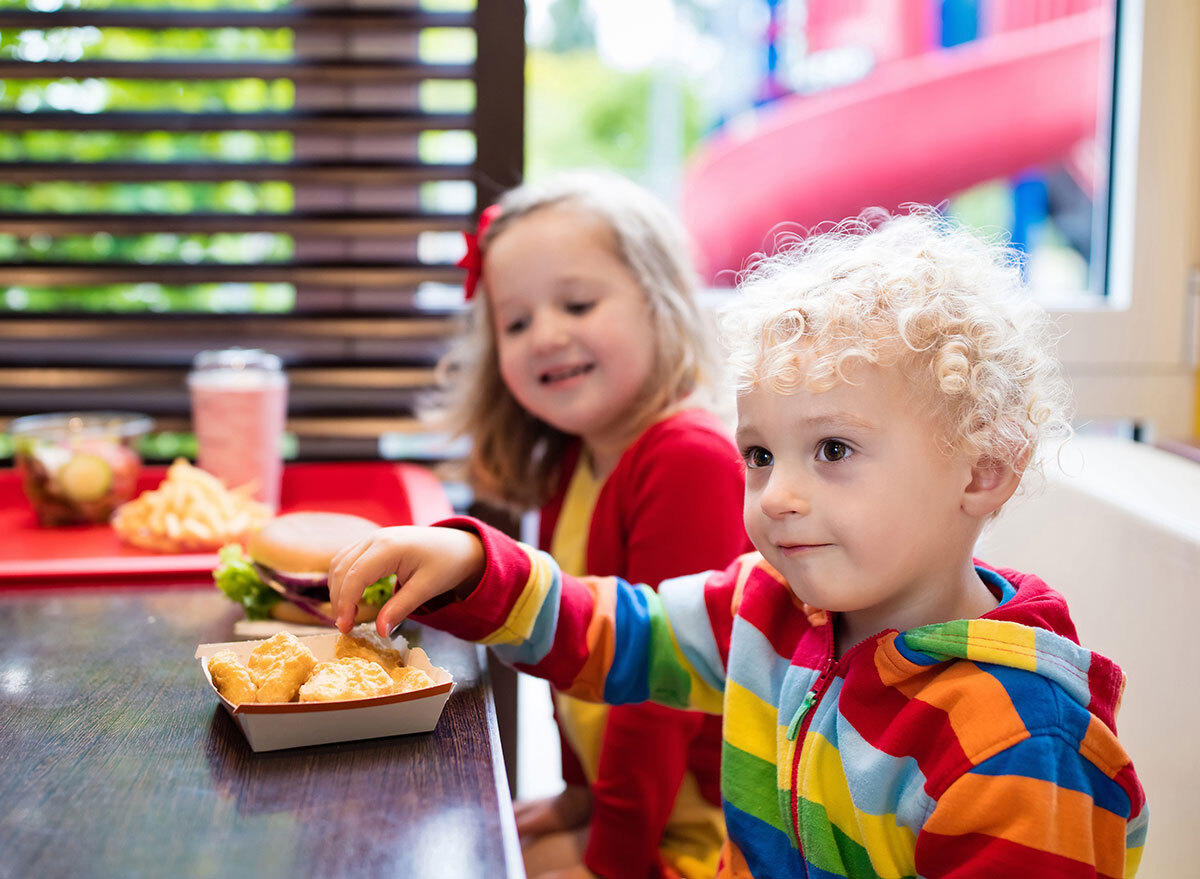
(182, 176)
(781, 115)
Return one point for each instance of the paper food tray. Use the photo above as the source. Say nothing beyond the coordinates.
(275, 725)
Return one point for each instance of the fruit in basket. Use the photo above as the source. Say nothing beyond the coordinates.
(78, 467)
(86, 477)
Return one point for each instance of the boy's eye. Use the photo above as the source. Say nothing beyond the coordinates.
(757, 457)
(581, 307)
(515, 326)
(832, 450)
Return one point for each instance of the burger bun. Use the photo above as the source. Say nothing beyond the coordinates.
(305, 543)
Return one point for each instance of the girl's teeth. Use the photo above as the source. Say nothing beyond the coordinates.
(565, 374)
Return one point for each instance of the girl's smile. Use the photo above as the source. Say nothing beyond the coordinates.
(561, 376)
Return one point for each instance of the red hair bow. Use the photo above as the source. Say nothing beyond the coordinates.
(472, 260)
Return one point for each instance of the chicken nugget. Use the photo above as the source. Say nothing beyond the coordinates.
(364, 643)
(231, 678)
(350, 678)
(407, 679)
(279, 666)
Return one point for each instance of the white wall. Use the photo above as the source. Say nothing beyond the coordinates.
(1119, 535)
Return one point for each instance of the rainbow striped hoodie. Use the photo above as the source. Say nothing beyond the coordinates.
(973, 748)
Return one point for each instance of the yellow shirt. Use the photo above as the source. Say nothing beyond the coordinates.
(696, 829)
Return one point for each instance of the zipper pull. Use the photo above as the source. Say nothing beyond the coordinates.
(805, 705)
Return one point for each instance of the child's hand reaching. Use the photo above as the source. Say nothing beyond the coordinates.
(427, 562)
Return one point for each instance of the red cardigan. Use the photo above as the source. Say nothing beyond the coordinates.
(672, 506)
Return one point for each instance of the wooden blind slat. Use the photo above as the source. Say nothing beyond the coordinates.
(179, 351)
(312, 393)
(124, 326)
(114, 344)
(340, 425)
(363, 378)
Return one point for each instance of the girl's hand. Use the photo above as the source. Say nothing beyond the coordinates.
(568, 810)
(427, 562)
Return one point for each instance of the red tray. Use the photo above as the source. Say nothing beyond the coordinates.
(389, 493)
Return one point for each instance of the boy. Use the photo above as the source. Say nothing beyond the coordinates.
(891, 707)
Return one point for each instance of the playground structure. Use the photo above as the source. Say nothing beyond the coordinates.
(1020, 85)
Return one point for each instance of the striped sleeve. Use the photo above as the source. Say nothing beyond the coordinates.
(1036, 809)
(595, 638)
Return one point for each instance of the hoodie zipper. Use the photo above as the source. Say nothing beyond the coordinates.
(802, 719)
(800, 723)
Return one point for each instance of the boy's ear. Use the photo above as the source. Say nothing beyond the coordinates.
(992, 484)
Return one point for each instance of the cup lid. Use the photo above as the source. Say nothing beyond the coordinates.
(237, 359)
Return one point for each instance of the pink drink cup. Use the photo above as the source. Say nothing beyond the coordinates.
(239, 418)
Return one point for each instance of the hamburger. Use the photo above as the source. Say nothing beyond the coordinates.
(284, 570)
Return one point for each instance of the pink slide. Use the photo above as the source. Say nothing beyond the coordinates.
(916, 130)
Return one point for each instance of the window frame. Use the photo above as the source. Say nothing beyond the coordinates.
(1133, 353)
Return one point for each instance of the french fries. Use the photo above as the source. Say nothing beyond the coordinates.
(190, 511)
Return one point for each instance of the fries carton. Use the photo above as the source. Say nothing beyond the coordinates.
(273, 726)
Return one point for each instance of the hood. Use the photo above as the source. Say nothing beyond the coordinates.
(1031, 630)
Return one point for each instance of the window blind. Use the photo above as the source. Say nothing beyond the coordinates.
(292, 178)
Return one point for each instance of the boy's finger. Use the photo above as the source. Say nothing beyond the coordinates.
(362, 566)
(337, 572)
(409, 596)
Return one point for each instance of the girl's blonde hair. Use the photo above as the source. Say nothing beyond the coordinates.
(920, 292)
(514, 457)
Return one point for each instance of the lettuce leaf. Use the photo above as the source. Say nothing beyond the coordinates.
(379, 591)
(237, 579)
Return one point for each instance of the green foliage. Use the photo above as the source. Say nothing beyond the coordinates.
(448, 5)
(226, 248)
(581, 113)
(135, 44)
(201, 298)
(246, 95)
(46, 6)
(231, 196)
(167, 445)
(446, 96)
(446, 45)
(154, 146)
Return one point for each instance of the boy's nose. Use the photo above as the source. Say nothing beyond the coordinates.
(784, 494)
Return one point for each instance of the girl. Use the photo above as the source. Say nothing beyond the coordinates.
(579, 385)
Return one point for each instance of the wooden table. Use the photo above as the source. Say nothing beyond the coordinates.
(117, 760)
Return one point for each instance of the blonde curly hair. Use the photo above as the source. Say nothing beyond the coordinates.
(918, 292)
